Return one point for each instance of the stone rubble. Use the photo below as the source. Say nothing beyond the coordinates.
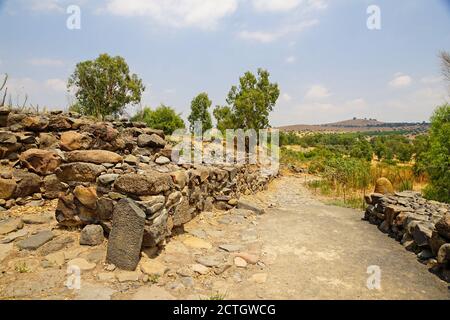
(421, 225)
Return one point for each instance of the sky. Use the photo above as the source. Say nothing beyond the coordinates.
(328, 64)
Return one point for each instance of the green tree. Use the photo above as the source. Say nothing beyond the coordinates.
(251, 102)
(163, 118)
(105, 86)
(438, 156)
(199, 112)
(224, 117)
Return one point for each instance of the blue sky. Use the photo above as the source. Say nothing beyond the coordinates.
(328, 64)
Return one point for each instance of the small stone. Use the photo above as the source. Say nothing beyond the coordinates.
(240, 263)
(35, 241)
(233, 201)
(201, 269)
(162, 160)
(81, 263)
(130, 159)
(92, 235)
(243, 204)
(188, 282)
(107, 178)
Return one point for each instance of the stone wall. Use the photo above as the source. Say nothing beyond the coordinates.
(98, 170)
(422, 226)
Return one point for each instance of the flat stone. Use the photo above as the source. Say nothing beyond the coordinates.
(93, 156)
(37, 218)
(81, 263)
(55, 245)
(107, 178)
(196, 243)
(153, 267)
(127, 276)
(239, 262)
(36, 241)
(14, 236)
(152, 293)
(249, 258)
(125, 239)
(209, 261)
(106, 276)
(199, 268)
(162, 160)
(10, 225)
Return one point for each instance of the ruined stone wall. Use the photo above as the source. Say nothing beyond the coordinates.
(90, 166)
(422, 226)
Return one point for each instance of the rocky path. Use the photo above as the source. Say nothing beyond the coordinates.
(299, 249)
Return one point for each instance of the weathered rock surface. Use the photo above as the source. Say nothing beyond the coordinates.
(93, 156)
(125, 240)
(36, 241)
(92, 235)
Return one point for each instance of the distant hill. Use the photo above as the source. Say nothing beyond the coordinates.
(363, 125)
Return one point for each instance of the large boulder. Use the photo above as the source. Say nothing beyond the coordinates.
(383, 186)
(53, 186)
(39, 161)
(66, 212)
(93, 156)
(151, 140)
(147, 184)
(125, 239)
(73, 140)
(7, 188)
(79, 171)
(443, 226)
(86, 195)
(27, 183)
(35, 123)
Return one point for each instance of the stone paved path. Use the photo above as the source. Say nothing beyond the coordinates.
(299, 249)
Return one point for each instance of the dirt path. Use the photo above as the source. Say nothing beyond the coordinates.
(299, 249)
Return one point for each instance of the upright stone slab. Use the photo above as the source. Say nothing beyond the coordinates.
(125, 239)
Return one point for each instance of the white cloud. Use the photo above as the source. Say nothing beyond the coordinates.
(286, 97)
(176, 13)
(432, 79)
(270, 36)
(317, 4)
(400, 80)
(45, 5)
(45, 62)
(358, 103)
(317, 92)
(56, 84)
(290, 59)
(275, 5)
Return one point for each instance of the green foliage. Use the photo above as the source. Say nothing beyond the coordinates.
(249, 104)
(164, 118)
(436, 160)
(199, 112)
(104, 86)
(224, 117)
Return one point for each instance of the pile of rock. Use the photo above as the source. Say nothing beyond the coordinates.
(421, 225)
(118, 175)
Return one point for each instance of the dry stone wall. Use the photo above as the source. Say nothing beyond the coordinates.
(101, 172)
(422, 226)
